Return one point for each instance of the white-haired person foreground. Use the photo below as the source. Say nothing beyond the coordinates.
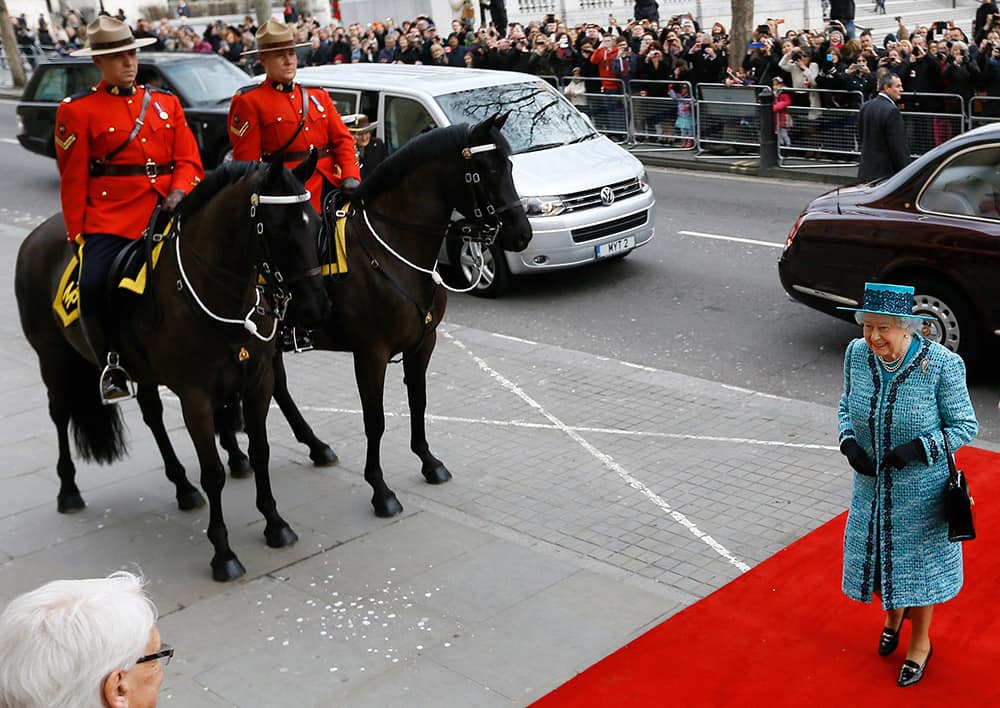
(82, 644)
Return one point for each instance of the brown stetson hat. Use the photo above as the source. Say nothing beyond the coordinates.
(272, 36)
(109, 35)
(359, 123)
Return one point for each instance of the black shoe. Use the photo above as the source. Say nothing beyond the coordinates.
(293, 339)
(889, 640)
(911, 672)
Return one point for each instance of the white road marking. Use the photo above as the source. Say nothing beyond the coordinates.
(513, 339)
(737, 239)
(607, 460)
(12, 141)
(430, 417)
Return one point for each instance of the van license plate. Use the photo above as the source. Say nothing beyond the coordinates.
(619, 246)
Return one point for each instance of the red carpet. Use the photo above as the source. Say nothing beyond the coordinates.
(784, 634)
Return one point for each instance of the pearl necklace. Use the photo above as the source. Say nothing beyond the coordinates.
(891, 366)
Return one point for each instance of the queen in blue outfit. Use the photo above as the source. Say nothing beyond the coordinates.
(902, 394)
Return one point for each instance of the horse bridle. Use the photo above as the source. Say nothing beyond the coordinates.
(486, 224)
(484, 228)
(273, 277)
(275, 280)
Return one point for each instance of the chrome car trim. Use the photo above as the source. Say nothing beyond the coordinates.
(954, 156)
(826, 296)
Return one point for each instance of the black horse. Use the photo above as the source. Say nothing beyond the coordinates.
(391, 299)
(203, 328)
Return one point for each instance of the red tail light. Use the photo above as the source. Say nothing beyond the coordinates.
(795, 230)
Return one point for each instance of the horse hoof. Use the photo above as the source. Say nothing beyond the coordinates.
(436, 474)
(323, 456)
(227, 570)
(389, 506)
(70, 503)
(240, 469)
(190, 500)
(284, 536)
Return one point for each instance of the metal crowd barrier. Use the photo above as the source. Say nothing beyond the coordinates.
(648, 117)
(828, 133)
(931, 119)
(609, 112)
(727, 116)
(983, 110)
(663, 115)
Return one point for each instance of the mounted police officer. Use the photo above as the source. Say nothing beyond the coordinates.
(121, 149)
(280, 118)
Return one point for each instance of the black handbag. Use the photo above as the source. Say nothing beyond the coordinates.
(957, 501)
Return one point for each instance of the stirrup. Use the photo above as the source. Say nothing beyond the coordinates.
(115, 384)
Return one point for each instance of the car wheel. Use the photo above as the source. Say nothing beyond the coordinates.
(465, 259)
(949, 317)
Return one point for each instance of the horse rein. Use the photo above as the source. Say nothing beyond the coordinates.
(279, 295)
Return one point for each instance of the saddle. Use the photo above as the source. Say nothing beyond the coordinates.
(127, 274)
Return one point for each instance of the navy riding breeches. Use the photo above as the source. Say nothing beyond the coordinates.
(99, 251)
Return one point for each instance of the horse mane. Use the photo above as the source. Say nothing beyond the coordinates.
(424, 148)
(215, 181)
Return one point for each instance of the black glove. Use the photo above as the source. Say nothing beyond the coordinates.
(349, 186)
(857, 458)
(902, 455)
(172, 199)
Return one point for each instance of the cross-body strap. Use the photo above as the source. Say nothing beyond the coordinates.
(146, 98)
(298, 129)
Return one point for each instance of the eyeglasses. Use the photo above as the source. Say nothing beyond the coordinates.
(165, 654)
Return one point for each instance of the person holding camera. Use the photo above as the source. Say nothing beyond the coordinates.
(803, 72)
(608, 65)
(986, 15)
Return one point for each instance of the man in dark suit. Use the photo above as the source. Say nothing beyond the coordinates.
(884, 150)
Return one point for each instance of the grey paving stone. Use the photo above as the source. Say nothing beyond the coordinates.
(428, 686)
(556, 633)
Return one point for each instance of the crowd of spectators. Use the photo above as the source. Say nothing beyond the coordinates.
(937, 58)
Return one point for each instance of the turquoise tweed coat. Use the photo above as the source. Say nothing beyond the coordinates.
(896, 541)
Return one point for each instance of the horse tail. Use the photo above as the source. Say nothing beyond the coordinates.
(98, 430)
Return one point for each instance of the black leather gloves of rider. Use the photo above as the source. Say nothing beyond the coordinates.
(901, 455)
(172, 199)
(349, 186)
(857, 458)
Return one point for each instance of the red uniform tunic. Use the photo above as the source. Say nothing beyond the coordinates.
(89, 127)
(263, 117)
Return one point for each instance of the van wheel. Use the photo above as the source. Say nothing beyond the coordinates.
(949, 318)
(465, 259)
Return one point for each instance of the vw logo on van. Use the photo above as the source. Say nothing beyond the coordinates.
(607, 195)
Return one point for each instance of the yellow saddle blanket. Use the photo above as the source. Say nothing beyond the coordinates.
(67, 300)
(339, 264)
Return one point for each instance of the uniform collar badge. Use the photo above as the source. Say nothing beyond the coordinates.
(282, 87)
(121, 90)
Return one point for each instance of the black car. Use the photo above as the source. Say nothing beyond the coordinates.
(935, 225)
(204, 83)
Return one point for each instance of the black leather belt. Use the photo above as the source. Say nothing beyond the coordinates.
(298, 155)
(150, 169)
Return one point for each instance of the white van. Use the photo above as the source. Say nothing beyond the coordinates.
(586, 198)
